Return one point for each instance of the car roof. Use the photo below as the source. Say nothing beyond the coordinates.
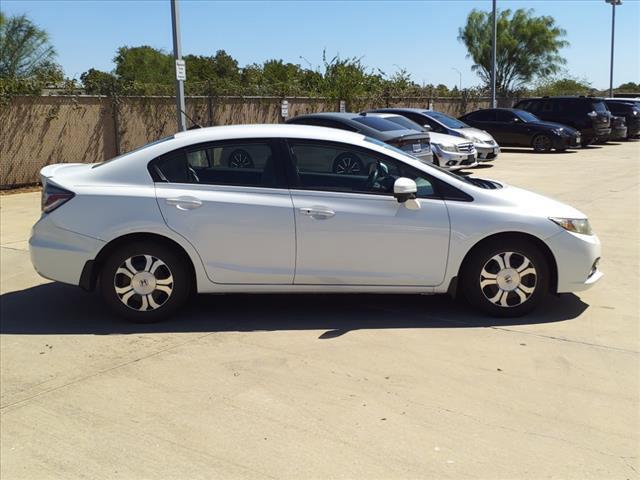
(399, 109)
(230, 132)
(564, 97)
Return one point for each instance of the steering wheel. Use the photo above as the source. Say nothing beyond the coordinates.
(379, 171)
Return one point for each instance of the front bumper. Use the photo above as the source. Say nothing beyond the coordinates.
(486, 152)
(567, 141)
(576, 257)
(618, 133)
(455, 160)
(59, 254)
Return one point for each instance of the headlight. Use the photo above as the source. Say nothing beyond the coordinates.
(576, 225)
(448, 147)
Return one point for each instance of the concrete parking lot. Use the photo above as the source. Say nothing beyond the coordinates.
(385, 387)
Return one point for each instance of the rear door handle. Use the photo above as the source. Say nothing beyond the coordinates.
(319, 213)
(184, 203)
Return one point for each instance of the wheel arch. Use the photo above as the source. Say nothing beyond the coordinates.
(505, 236)
(92, 268)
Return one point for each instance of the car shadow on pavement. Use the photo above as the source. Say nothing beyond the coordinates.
(55, 308)
(532, 151)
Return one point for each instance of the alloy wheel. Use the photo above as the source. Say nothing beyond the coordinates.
(348, 166)
(508, 279)
(542, 143)
(240, 159)
(143, 282)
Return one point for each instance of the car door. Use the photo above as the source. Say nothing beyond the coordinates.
(230, 201)
(486, 120)
(513, 130)
(350, 230)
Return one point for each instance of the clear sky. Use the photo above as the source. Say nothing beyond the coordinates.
(420, 36)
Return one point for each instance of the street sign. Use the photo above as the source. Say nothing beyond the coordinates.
(284, 109)
(181, 70)
(343, 106)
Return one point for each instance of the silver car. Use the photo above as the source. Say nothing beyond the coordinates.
(486, 146)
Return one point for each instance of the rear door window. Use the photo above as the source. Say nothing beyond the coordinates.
(243, 163)
(483, 116)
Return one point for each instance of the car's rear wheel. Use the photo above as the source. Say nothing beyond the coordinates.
(542, 143)
(506, 278)
(144, 282)
(348, 164)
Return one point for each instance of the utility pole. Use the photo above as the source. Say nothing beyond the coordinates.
(459, 73)
(494, 104)
(613, 31)
(181, 75)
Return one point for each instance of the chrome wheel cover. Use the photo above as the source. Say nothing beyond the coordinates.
(508, 279)
(143, 283)
(348, 166)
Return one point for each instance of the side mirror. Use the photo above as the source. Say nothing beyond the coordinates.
(515, 120)
(405, 189)
(427, 128)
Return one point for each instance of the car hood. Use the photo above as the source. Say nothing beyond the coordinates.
(476, 133)
(440, 138)
(530, 203)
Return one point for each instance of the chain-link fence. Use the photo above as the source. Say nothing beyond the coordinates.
(40, 130)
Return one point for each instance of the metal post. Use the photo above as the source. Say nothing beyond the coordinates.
(613, 30)
(459, 73)
(177, 55)
(209, 103)
(493, 57)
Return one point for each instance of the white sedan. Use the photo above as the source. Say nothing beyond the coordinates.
(181, 215)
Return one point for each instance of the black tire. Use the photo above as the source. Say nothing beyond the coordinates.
(240, 158)
(489, 297)
(169, 275)
(542, 143)
(348, 164)
(561, 150)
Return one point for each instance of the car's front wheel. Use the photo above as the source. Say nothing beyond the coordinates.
(542, 143)
(506, 278)
(144, 282)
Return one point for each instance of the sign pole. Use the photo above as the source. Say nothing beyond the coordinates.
(180, 67)
(494, 104)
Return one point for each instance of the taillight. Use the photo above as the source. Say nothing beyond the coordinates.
(54, 196)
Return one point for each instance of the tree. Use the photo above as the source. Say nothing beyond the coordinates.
(629, 87)
(96, 82)
(565, 85)
(144, 64)
(527, 47)
(26, 52)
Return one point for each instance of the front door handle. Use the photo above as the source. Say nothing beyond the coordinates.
(184, 203)
(319, 213)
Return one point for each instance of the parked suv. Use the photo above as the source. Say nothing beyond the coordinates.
(589, 115)
(630, 110)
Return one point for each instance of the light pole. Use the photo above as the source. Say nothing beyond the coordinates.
(459, 73)
(179, 65)
(613, 31)
(493, 57)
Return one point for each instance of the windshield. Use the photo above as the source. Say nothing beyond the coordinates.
(405, 123)
(164, 139)
(377, 123)
(405, 154)
(526, 116)
(446, 120)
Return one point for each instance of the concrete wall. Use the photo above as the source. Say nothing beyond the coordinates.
(38, 131)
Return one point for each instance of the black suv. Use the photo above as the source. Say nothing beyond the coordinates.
(587, 114)
(630, 110)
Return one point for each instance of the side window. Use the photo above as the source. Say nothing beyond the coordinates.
(332, 167)
(532, 106)
(482, 116)
(526, 105)
(504, 116)
(547, 106)
(240, 163)
(339, 126)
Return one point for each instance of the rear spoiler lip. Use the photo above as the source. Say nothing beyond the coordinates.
(411, 136)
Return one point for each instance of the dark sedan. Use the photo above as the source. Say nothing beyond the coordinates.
(519, 128)
(414, 143)
(630, 110)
